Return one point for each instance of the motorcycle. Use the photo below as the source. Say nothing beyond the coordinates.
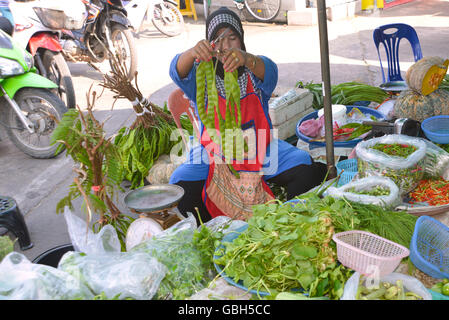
(105, 30)
(29, 109)
(164, 15)
(43, 43)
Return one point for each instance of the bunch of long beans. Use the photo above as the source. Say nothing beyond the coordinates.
(229, 135)
(346, 93)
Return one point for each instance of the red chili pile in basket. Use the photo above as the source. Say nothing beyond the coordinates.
(433, 191)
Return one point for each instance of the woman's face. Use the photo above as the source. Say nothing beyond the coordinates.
(231, 40)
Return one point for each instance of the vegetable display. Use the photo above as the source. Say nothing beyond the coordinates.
(398, 157)
(350, 131)
(376, 191)
(425, 75)
(285, 247)
(413, 105)
(395, 149)
(344, 93)
(229, 136)
(433, 191)
(386, 291)
(442, 287)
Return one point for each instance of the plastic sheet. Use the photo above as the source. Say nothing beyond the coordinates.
(405, 172)
(20, 279)
(410, 284)
(116, 275)
(366, 184)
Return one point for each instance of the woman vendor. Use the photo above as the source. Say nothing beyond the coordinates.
(209, 184)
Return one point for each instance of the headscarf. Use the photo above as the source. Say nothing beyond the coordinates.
(222, 18)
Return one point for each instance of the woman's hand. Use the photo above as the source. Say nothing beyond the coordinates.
(232, 59)
(202, 51)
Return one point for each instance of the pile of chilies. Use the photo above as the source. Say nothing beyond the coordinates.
(434, 192)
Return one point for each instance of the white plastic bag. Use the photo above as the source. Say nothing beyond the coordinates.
(85, 240)
(20, 279)
(116, 275)
(365, 184)
(405, 172)
(410, 284)
(99, 263)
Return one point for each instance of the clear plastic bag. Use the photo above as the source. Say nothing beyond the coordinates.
(221, 290)
(119, 275)
(174, 248)
(99, 263)
(405, 172)
(20, 279)
(366, 184)
(85, 240)
(436, 164)
(410, 284)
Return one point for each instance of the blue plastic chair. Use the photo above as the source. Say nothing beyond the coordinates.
(391, 40)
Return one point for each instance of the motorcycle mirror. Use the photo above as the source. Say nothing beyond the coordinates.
(6, 26)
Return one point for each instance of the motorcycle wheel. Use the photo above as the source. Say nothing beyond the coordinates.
(123, 42)
(168, 20)
(44, 109)
(58, 71)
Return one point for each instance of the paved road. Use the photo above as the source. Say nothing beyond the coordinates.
(37, 185)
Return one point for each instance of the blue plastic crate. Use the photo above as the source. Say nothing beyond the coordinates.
(429, 248)
(350, 170)
(436, 129)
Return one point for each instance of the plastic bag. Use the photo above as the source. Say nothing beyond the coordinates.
(174, 248)
(85, 240)
(221, 290)
(405, 172)
(436, 163)
(410, 284)
(366, 184)
(311, 128)
(116, 275)
(20, 279)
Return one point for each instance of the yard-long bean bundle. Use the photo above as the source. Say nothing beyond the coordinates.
(229, 136)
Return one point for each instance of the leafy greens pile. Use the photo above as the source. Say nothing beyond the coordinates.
(285, 247)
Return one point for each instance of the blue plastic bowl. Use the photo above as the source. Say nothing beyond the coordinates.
(341, 144)
(436, 129)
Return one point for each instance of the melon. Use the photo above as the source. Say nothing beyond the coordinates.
(425, 75)
(413, 105)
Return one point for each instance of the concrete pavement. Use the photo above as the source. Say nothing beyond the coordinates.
(37, 185)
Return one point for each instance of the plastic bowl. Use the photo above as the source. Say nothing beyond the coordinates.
(436, 129)
(368, 253)
(350, 170)
(429, 247)
(337, 144)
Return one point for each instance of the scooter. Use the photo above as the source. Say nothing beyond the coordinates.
(29, 110)
(106, 30)
(42, 40)
(164, 15)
